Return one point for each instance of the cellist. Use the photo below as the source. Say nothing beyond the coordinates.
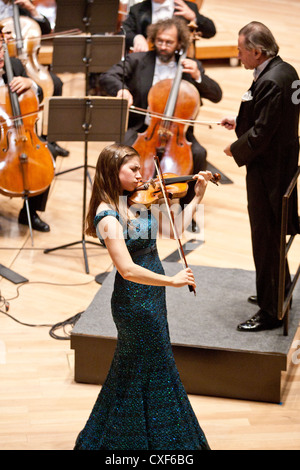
(133, 79)
(28, 9)
(20, 84)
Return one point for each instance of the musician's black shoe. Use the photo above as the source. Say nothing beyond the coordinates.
(193, 227)
(59, 150)
(261, 321)
(36, 222)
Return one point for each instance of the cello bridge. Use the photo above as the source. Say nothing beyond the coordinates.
(165, 133)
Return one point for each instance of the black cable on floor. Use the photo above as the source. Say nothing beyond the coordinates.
(68, 323)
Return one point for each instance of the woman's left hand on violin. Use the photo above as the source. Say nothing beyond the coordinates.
(202, 178)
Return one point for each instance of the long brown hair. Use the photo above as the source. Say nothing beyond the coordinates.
(106, 186)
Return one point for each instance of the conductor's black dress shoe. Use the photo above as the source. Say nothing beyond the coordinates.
(59, 151)
(193, 227)
(259, 322)
(36, 222)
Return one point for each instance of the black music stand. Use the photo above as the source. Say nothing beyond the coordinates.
(97, 119)
(90, 16)
(87, 54)
(77, 54)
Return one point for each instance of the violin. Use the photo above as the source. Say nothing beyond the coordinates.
(150, 192)
(24, 43)
(26, 164)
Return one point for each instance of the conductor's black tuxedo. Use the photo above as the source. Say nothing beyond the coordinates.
(268, 144)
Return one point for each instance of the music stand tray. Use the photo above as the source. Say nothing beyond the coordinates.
(97, 119)
(86, 54)
(107, 117)
(90, 16)
(75, 54)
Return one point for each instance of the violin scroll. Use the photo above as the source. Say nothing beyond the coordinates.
(216, 178)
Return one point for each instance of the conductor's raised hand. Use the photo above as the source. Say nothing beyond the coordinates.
(229, 123)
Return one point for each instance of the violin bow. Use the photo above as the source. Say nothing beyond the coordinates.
(191, 122)
(171, 217)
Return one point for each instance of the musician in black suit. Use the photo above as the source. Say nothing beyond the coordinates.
(144, 13)
(20, 84)
(268, 145)
(28, 9)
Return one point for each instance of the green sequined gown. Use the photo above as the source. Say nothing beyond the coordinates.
(142, 404)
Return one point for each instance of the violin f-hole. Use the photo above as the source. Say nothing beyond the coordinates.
(150, 136)
(7, 142)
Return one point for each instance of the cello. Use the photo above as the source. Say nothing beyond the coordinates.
(26, 164)
(166, 138)
(26, 35)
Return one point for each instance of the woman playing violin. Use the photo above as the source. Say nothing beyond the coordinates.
(143, 404)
